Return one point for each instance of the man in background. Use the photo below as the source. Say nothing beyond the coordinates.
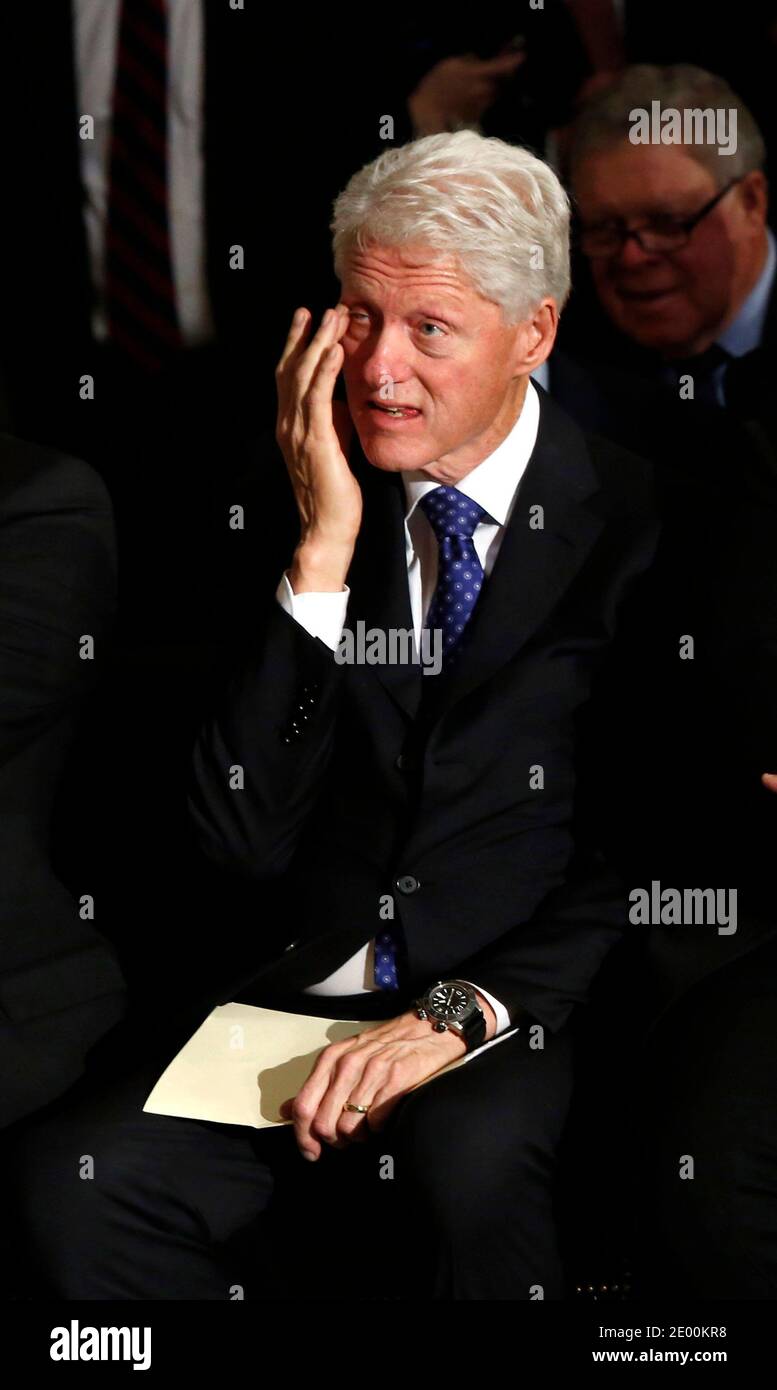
(683, 264)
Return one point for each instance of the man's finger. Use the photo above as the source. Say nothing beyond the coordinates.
(309, 1099)
(503, 65)
(298, 344)
(330, 330)
(346, 1081)
(296, 337)
(321, 392)
(381, 1110)
(378, 1078)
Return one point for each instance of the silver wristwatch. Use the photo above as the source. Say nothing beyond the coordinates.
(453, 1004)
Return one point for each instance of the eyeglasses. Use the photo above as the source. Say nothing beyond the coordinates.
(660, 233)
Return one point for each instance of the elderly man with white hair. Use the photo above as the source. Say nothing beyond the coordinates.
(417, 800)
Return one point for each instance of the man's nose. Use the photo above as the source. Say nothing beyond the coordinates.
(386, 359)
(632, 256)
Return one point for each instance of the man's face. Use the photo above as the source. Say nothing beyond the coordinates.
(421, 335)
(673, 303)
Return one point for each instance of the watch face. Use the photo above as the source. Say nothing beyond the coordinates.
(449, 1000)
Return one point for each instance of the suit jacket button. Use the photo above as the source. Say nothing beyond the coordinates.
(404, 762)
(407, 883)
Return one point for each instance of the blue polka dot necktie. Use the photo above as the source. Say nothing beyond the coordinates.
(386, 960)
(453, 518)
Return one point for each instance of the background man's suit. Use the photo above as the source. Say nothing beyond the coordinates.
(60, 985)
(707, 725)
(681, 790)
(696, 815)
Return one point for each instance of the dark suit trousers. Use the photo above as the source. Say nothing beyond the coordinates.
(185, 1209)
(709, 1093)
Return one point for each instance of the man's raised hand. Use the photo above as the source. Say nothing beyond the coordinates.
(314, 433)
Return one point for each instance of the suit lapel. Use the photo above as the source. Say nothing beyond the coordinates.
(532, 570)
(534, 566)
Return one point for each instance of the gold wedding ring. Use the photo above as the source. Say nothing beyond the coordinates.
(360, 1109)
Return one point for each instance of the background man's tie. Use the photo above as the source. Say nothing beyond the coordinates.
(139, 292)
(453, 518)
(703, 369)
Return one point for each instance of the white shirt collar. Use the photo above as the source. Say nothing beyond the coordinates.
(492, 483)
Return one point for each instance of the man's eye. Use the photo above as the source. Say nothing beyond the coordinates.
(435, 326)
(356, 314)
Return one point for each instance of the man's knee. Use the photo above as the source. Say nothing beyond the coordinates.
(73, 1172)
(467, 1164)
(50, 1171)
(429, 1141)
(478, 1197)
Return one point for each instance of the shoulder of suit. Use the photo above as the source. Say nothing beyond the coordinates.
(34, 477)
(626, 480)
(623, 472)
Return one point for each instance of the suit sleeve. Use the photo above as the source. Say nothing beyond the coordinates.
(261, 756)
(542, 968)
(321, 614)
(58, 582)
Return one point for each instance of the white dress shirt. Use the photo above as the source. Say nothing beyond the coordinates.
(96, 42)
(494, 485)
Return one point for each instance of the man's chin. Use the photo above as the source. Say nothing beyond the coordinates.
(666, 345)
(666, 334)
(395, 455)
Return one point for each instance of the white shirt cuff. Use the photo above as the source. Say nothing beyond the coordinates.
(321, 614)
(502, 1016)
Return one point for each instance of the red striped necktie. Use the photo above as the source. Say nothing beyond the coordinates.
(139, 292)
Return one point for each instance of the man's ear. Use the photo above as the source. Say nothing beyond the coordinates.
(534, 342)
(755, 194)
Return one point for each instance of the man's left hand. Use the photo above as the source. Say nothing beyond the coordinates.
(375, 1068)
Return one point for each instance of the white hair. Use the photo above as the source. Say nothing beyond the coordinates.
(606, 119)
(497, 208)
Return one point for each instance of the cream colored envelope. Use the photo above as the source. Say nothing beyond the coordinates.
(243, 1061)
